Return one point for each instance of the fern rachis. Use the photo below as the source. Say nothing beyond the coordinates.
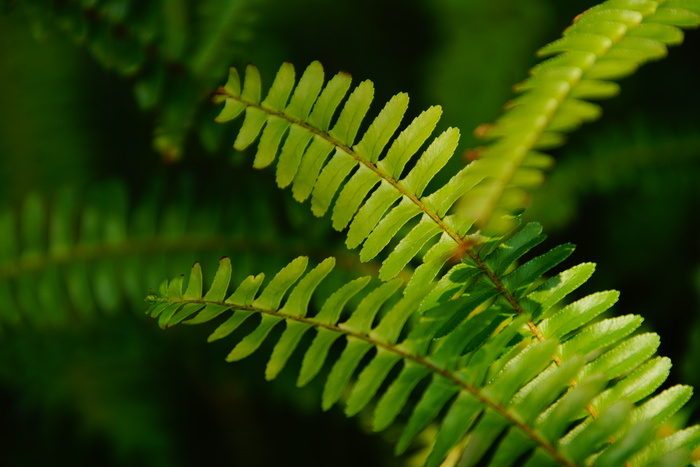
(379, 227)
(236, 102)
(491, 388)
(308, 176)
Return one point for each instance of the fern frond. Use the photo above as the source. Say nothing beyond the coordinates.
(84, 252)
(487, 284)
(377, 192)
(605, 43)
(454, 352)
(376, 199)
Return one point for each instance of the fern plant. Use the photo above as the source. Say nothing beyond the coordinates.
(487, 347)
(457, 326)
(51, 272)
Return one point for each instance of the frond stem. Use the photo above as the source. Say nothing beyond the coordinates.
(444, 372)
(462, 243)
(506, 294)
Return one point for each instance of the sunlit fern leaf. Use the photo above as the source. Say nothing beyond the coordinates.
(605, 43)
(362, 178)
(537, 384)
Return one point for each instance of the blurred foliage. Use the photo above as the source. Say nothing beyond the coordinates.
(109, 94)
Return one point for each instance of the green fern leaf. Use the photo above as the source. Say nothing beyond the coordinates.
(489, 331)
(362, 179)
(80, 254)
(516, 383)
(605, 43)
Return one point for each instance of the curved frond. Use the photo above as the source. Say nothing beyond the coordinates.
(374, 182)
(605, 43)
(452, 353)
(365, 184)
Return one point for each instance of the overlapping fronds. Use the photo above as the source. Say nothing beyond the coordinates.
(605, 43)
(83, 252)
(173, 49)
(554, 385)
(374, 182)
